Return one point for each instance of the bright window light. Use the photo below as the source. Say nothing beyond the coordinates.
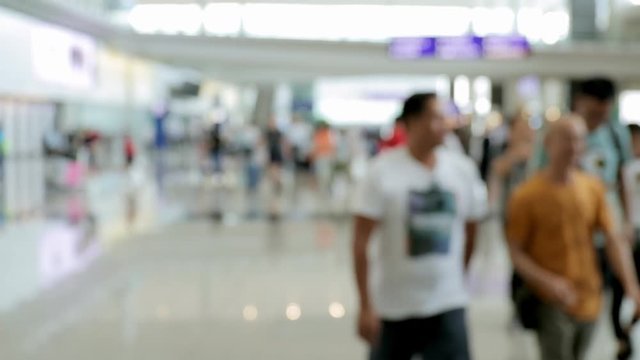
(169, 19)
(368, 100)
(482, 94)
(556, 27)
(492, 21)
(482, 86)
(427, 20)
(630, 106)
(462, 92)
(297, 21)
(530, 23)
(223, 18)
(483, 106)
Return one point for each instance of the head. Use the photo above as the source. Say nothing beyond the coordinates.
(594, 101)
(424, 120)
(565, 141)
(521, 132)
(634, 130)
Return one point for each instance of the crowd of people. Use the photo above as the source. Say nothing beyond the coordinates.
(566, 196)
(315, 152)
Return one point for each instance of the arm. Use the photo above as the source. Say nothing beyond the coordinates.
(623, 193)
(495, 180)
(626, 192)
(618, 251)
(619, 256)
(562, 291)
(368, 322)
(471, 229)
(363, 230)
(477, 211)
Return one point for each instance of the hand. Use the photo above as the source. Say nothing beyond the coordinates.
(563, 292)
(636, 302)
(521, 153)
(629, 233)
(368, 325)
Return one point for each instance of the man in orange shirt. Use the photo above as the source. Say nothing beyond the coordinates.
(550, 223)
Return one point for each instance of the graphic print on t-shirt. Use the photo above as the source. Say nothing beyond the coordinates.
(431, 217)
(595, 163)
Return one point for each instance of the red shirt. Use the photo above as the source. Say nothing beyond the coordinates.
(398, 138)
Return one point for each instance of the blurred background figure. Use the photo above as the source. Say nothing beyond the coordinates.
(454, 122)
(129, 150)
(631, 179)
(276, 147)
(300, 137)
(397, 137)
(216, 147)
(255, 156)
(324, 151)
(509, 169)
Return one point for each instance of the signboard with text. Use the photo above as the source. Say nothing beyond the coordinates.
(460, 48)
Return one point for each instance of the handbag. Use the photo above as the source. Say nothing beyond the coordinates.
(526, 303)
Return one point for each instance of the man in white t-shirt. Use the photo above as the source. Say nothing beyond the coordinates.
(415, 205)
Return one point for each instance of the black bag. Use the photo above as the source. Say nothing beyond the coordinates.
(526, 303)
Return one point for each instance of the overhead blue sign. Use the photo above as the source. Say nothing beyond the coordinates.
(460, 48)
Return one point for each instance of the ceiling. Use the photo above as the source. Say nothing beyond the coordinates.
(488, 3)
(272, 60)
(252, 60)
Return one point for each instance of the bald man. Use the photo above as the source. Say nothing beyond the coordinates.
(550, 222)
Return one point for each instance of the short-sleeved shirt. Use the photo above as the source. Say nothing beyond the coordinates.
(554, 225)
(417, 258)
(603, 158)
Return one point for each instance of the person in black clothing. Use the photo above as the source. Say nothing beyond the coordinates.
(275, 145)
(216, 147)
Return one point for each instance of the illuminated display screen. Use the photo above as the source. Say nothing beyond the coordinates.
(63, 57)
(460, 48)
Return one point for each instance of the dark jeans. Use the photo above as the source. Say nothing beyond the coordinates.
(441, 337)
(618, 296)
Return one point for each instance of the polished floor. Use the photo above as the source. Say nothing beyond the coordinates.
(204, 279)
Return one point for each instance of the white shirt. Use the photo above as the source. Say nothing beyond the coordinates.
(452, 142)
(398, 192)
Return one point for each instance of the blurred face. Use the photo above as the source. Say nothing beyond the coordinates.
(521, 133)
(430, 126)
(595, 112)
(566, 144)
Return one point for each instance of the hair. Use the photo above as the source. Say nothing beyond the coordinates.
(415, 105)
(634, 129)
(558, 126)
(602, 89)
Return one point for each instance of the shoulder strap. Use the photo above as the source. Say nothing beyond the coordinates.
(617, 143)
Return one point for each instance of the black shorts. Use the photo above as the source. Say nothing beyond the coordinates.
(440, 337)
(276, 157)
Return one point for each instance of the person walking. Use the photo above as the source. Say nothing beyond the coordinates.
(416, 205)
(551, 221)
(608, 149)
